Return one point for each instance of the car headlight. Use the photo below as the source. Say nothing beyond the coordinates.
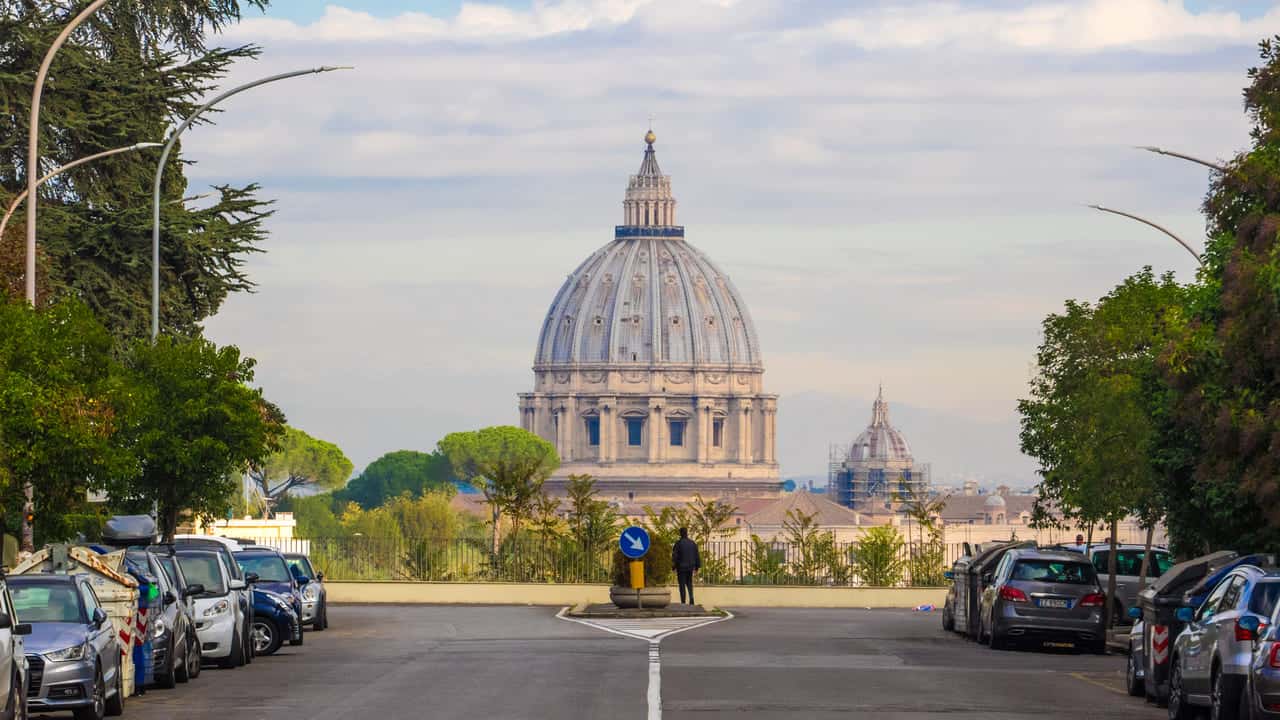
(222, 607)
(157, 628)
(311, 593)
(79, 652)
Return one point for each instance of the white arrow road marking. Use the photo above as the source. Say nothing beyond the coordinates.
(636, 543)
(653, 631)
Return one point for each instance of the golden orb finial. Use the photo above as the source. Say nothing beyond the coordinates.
(650, 138)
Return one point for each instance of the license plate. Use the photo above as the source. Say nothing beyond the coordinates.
(1054, 603)
(1063, 645)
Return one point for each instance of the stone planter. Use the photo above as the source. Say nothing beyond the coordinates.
(655, 597)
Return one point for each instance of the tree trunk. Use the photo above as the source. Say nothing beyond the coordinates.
(1146, 558)
(1111, 569)
(1088, 538)
(28, 510)
(496, 517)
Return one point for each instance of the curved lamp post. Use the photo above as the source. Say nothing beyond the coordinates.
(1183, 156)
(13, 206)
(1147, 222)
(164, 156)
(33, 160)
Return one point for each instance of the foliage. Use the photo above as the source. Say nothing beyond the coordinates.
(299, 460)
(927, 564)
(813, 546)
(658, 570)
(397, 473)
(877, 557)
(593, 524)
(765, 564)
(507, 463)
(198, 425)
(314, 515)
(125, 75)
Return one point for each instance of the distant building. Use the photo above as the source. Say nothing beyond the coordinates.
(999, 508)
(871, 474)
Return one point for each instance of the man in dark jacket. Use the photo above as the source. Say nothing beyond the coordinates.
(685, 558)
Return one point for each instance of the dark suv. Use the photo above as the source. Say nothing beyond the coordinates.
(1044, 595)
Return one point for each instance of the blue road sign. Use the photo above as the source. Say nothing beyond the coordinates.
(634, 542)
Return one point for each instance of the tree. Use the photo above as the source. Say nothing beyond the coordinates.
(877, 557)
(127, 73)
(810, 543)
(593, 524)
(62, 405)
(508, 464)
(300, 460)
(397, 473)
(197, 424)
(1223, 478)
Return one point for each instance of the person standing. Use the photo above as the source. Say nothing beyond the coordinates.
(685, 558)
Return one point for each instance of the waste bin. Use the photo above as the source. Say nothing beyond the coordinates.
(974, 582)
(1160, 602)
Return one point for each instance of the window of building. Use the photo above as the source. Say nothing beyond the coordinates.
(593, 431)
(635, 432)
(717, 432)
(677, 433)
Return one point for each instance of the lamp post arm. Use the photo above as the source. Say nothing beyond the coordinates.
(1147, 222)
(13, 206)
(164, 157)
(1183, 156)
(33, 158)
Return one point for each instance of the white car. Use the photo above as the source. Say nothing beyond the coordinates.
(227, 548)
(217, 609)
(13, 662)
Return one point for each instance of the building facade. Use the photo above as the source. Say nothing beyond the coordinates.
(873, 473)
(648, 373)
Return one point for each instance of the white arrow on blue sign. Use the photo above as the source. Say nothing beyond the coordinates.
(634, 542)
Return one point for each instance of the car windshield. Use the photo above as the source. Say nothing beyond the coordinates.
(1263, 599)
(303, 564)
(47, 602)
(1129, 562)
(203, 570)
(1054, 571)
(268, 568)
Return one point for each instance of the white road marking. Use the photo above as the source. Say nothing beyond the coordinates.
(651, 630)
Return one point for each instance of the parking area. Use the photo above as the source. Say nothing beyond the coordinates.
(522, 662)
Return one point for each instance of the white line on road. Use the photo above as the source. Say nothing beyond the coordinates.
(651, 630)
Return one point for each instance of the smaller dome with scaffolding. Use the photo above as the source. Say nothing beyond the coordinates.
(880, 441)
(876, 472)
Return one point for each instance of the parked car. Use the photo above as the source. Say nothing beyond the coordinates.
(244, 596)
(173, 652)
(274, 621)
(73, 656)
(269, 571)
(218, 619)
(1212, 656)
(315, 601)
(167, 556)
(1128, 570)
(961, 611)
(1047, 595)
(13, 663)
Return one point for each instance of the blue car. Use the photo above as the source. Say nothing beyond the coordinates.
(267, 570)
(274, 622)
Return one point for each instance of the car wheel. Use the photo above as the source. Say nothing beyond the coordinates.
(195, 658)
(115, 703)
(168, 679)
(247, 644)
(1178, 707)
(97, 708)
(1225, 698)
(182, 672)
(320, 624)
(948, 622)
(1133, 683)
(267, 638)
(233, 659)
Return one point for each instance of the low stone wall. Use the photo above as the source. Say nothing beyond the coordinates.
(728, 596)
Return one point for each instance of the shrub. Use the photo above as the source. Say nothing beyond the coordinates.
(657, 564)
(877, 557)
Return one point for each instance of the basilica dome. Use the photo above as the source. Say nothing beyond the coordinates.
(880, 441)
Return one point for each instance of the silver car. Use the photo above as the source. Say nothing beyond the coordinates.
(1049, 596)
(1212, 656)
(13, 666)
(72, 652)
(315, 601)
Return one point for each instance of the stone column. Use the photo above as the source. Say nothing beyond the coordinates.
(568, 423)
(657, 432)
(770, 419)
(557, 414)
(607, 431)
(704, 432)
(744, 432)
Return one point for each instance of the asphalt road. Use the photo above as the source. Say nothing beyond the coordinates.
(385, 663)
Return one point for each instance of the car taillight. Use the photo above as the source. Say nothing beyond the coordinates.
(1093, 600)
(1245, 635)
(1275, 655)
(1012, 594)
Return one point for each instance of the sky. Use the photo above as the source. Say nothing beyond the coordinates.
(898, 190)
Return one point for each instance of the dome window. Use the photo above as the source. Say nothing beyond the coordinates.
(711, 321)
(675, 320)
(599, 320)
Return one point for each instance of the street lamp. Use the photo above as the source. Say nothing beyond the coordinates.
(164, 156)
(33, 159)
(13, 206)
(1183, 156)
(1145, 221)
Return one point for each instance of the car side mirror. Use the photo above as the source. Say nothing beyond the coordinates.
(949, 575)
(99, 617)
(320, 576)
(251, 578)
(193, 590)
(236, 584)
(22, 629)
(1135, 613)
(169, 598)
(987, 578)
(1185, 614)
(1251, 625)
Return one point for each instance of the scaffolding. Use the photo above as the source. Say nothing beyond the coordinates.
(873, 486)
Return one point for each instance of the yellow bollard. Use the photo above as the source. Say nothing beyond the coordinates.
(637, 574)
